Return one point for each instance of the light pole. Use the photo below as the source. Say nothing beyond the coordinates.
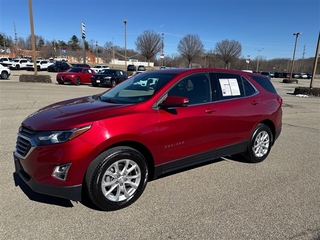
(162, 45)
(5, 50)
(97, 51)
(125, 43)
(294, 53)
(259, 50)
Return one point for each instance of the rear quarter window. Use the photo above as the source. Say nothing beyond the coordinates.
(264, 82)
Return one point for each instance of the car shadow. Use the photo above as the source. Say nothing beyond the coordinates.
(236, 158)
(42, 198)
(38, 197)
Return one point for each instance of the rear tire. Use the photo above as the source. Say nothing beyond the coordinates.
(260, 144)
(116, 178)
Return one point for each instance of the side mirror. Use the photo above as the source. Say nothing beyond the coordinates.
(174, 101)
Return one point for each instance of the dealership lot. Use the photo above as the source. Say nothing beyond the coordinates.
(227, 199)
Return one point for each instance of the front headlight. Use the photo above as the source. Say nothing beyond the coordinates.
(53, 137)
(107, 78)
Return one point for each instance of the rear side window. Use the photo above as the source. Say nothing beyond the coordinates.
(230, 85)
(249, 90)
(265, 83)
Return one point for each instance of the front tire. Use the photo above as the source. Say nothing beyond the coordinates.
(4, 75)
(116, 178)
(260, 144)
(113, 82)
(77, 81)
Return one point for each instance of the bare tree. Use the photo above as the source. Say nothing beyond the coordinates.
(48, 50)
(148, 44)
(228, 51)
(190, 47)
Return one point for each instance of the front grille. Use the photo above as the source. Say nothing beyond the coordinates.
(24, 143)
(27, 131)
(23, 146)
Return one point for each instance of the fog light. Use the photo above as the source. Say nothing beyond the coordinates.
(60, 172)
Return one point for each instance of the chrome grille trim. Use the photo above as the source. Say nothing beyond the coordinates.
(24, 146)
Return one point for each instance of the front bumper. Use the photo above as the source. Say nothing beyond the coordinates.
(101, 81)
(65, 80)
(69, 192)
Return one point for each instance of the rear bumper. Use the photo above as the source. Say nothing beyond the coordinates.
(277, 134)
(71, 192)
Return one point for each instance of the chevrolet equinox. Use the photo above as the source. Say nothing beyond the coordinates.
(109, 145)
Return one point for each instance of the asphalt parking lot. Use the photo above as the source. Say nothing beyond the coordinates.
(276, 199)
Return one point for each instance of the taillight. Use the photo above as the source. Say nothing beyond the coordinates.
(280, 100)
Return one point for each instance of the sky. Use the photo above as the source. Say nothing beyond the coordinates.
(264, 28)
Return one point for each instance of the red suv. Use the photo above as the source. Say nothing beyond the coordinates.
(109, 145)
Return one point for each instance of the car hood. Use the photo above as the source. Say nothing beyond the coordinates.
(68, 73)
(103, 75)
(74, 113)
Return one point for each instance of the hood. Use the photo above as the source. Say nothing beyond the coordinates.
(73, 113)
(103, 74)
(67, 73)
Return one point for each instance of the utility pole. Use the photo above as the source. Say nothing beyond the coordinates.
(32, 39)
(162, 55)
(125, 43)
(304, 51)
(259, 50)
(15, 40)
(294, 52)
(315, 63)
(97, 51)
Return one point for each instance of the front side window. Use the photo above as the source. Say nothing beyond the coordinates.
(194, 87)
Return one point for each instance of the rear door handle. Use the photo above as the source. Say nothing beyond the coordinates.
(255, 102)
(210, 110)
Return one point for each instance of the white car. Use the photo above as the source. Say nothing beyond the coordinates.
(41, 65)
(19, 63)
(4, 72)
(98, 68)
(303, 75)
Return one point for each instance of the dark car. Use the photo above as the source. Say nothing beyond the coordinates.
(80, 65)
(58, 67)
(108, 77)
(76, 75)
(131, 67)
(268, 74)
(111, 144)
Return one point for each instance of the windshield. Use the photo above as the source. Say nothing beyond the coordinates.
(138, 88)
(75, 69)
(108, 71)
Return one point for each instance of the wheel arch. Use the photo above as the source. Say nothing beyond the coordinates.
(140, 148)
(272, 127)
